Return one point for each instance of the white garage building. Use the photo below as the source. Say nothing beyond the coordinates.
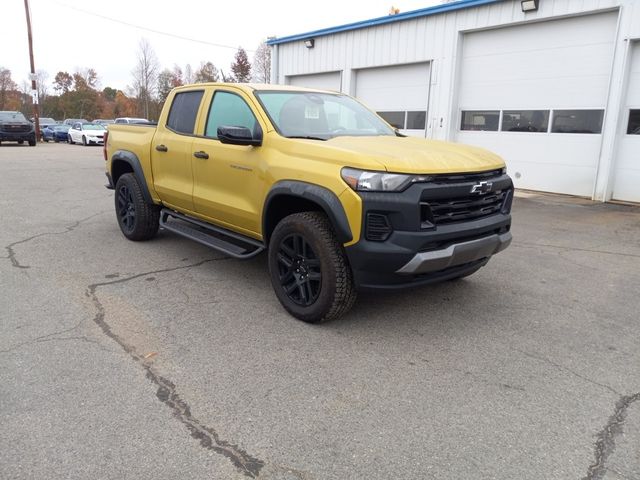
(555, 90)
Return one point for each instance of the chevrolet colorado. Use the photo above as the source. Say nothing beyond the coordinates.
(339, 199)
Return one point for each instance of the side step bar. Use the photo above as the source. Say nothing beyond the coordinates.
(221, 239)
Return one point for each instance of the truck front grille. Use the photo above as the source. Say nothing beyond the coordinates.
(469, 207)
(8, 128)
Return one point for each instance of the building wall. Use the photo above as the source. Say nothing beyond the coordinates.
(439, 39)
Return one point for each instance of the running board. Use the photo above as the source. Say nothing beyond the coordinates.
(221, 239)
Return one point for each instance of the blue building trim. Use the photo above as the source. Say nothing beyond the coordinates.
(424, 12)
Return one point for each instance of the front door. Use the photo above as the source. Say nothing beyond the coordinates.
(229, 179)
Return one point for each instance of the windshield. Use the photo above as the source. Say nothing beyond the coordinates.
(320, 116)
(62, 128)
(90, 126)
(12, 117)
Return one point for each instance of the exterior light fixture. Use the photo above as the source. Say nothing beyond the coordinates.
(529, 5)
(309, 42)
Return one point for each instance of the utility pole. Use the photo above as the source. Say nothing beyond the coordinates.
(34, 90)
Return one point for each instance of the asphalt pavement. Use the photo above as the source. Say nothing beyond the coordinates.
(166, 360)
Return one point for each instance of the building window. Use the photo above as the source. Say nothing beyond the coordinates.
(395, 119)
(525, 120)
(480, 120)
(416, 120)
(633, 128)
(577, 121)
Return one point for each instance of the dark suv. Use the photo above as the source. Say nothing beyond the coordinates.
(14, 127)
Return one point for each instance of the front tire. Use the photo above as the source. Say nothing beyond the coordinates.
(309, 269)
(70, 140)
(138, 220)
(32, 142)
(84, 140)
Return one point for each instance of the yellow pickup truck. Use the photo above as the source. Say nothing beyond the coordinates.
(339, 199)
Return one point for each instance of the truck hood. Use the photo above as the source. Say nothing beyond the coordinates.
(418, 155)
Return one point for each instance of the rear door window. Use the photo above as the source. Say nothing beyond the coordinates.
(184, 111)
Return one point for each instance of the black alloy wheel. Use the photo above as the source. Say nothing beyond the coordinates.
(299, 270)
(138, 219)
(309, 269)
(126, 209)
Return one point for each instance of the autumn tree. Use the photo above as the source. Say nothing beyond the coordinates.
(241, 68)
(62, 82)
(145, 76)
(8, 89)
(262, 64)
(206, 73)
(168, 80)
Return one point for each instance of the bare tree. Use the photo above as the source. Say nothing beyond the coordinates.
(262, 64)
(145, 75)
(188, 74)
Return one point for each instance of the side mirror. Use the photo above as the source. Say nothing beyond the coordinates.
(239, 136)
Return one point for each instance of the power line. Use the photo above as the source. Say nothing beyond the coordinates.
(147, 29)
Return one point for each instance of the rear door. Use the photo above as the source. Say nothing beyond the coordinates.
(171, 151)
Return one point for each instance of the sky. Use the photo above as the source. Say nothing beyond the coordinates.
(70, 35)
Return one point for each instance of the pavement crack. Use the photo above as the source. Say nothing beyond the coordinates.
(167, 392)
(11, 253)
(568, 370)
(606, 438)
(42, 338)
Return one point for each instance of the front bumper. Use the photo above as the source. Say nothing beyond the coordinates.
(418, 252)
(16, 136)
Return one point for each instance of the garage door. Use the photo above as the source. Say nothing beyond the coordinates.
(323, 81)
(399, 93)
(536, 94)
(626, 184)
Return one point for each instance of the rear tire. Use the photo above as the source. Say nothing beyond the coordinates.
(20, 142)
(309, 269)
(138, 220)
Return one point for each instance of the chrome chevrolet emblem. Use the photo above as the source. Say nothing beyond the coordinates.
(482, 187)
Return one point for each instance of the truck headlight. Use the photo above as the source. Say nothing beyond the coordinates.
(366, 181)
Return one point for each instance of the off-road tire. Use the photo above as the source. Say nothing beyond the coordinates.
(337, 292)
(137, 219)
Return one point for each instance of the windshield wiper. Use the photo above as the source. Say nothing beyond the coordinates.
(308, 137)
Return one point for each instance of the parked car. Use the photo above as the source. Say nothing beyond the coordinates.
(86, 133)
(131, 120)
(56, 133)
(100, 121)
(71, 121)
(45, 122)
(14, 127)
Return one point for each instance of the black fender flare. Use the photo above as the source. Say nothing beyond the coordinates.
(133, 161)
(324, 197)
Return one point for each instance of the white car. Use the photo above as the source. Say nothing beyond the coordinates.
(87, 133)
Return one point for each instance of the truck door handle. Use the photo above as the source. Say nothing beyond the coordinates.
(201, 154)
(161, 148)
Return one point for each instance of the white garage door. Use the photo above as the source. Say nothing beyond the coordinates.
(322, 81)
(399, 93)
(626, 184)
(535, 94)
